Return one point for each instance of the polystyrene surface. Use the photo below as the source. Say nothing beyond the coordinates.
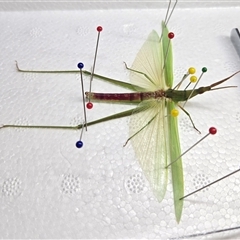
(49, 188)
(39, 5)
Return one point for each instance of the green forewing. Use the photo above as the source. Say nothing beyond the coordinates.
(173, 136)
(176, 168)
(167, 53)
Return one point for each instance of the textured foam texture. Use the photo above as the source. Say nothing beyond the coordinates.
(51, 189)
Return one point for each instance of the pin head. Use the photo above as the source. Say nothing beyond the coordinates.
(99, 28)
(204, 69)
(80, 65)
(191, 70)
(174, 112)
(193, 79)
(212, 130)
(79, 144)
(89, 105)
(171, 35)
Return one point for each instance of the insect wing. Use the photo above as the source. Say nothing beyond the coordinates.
(168, 56)
(176, 168)
(149, 62)
(173, 136)
(154, 136)
(149, 140)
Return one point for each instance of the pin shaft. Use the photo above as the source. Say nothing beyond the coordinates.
(187, 150)
(211, 183)
(84, 106)
(94, 63)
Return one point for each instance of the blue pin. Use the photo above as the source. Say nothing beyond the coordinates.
(80, 65)
(79, 144)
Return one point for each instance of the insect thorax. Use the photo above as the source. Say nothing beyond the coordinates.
(156, 95)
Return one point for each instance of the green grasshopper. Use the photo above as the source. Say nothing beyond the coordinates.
(153, 127)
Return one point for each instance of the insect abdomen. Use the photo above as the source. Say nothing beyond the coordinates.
(123, 97)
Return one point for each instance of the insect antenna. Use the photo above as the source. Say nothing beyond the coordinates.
(222, 81)
(89, 104)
